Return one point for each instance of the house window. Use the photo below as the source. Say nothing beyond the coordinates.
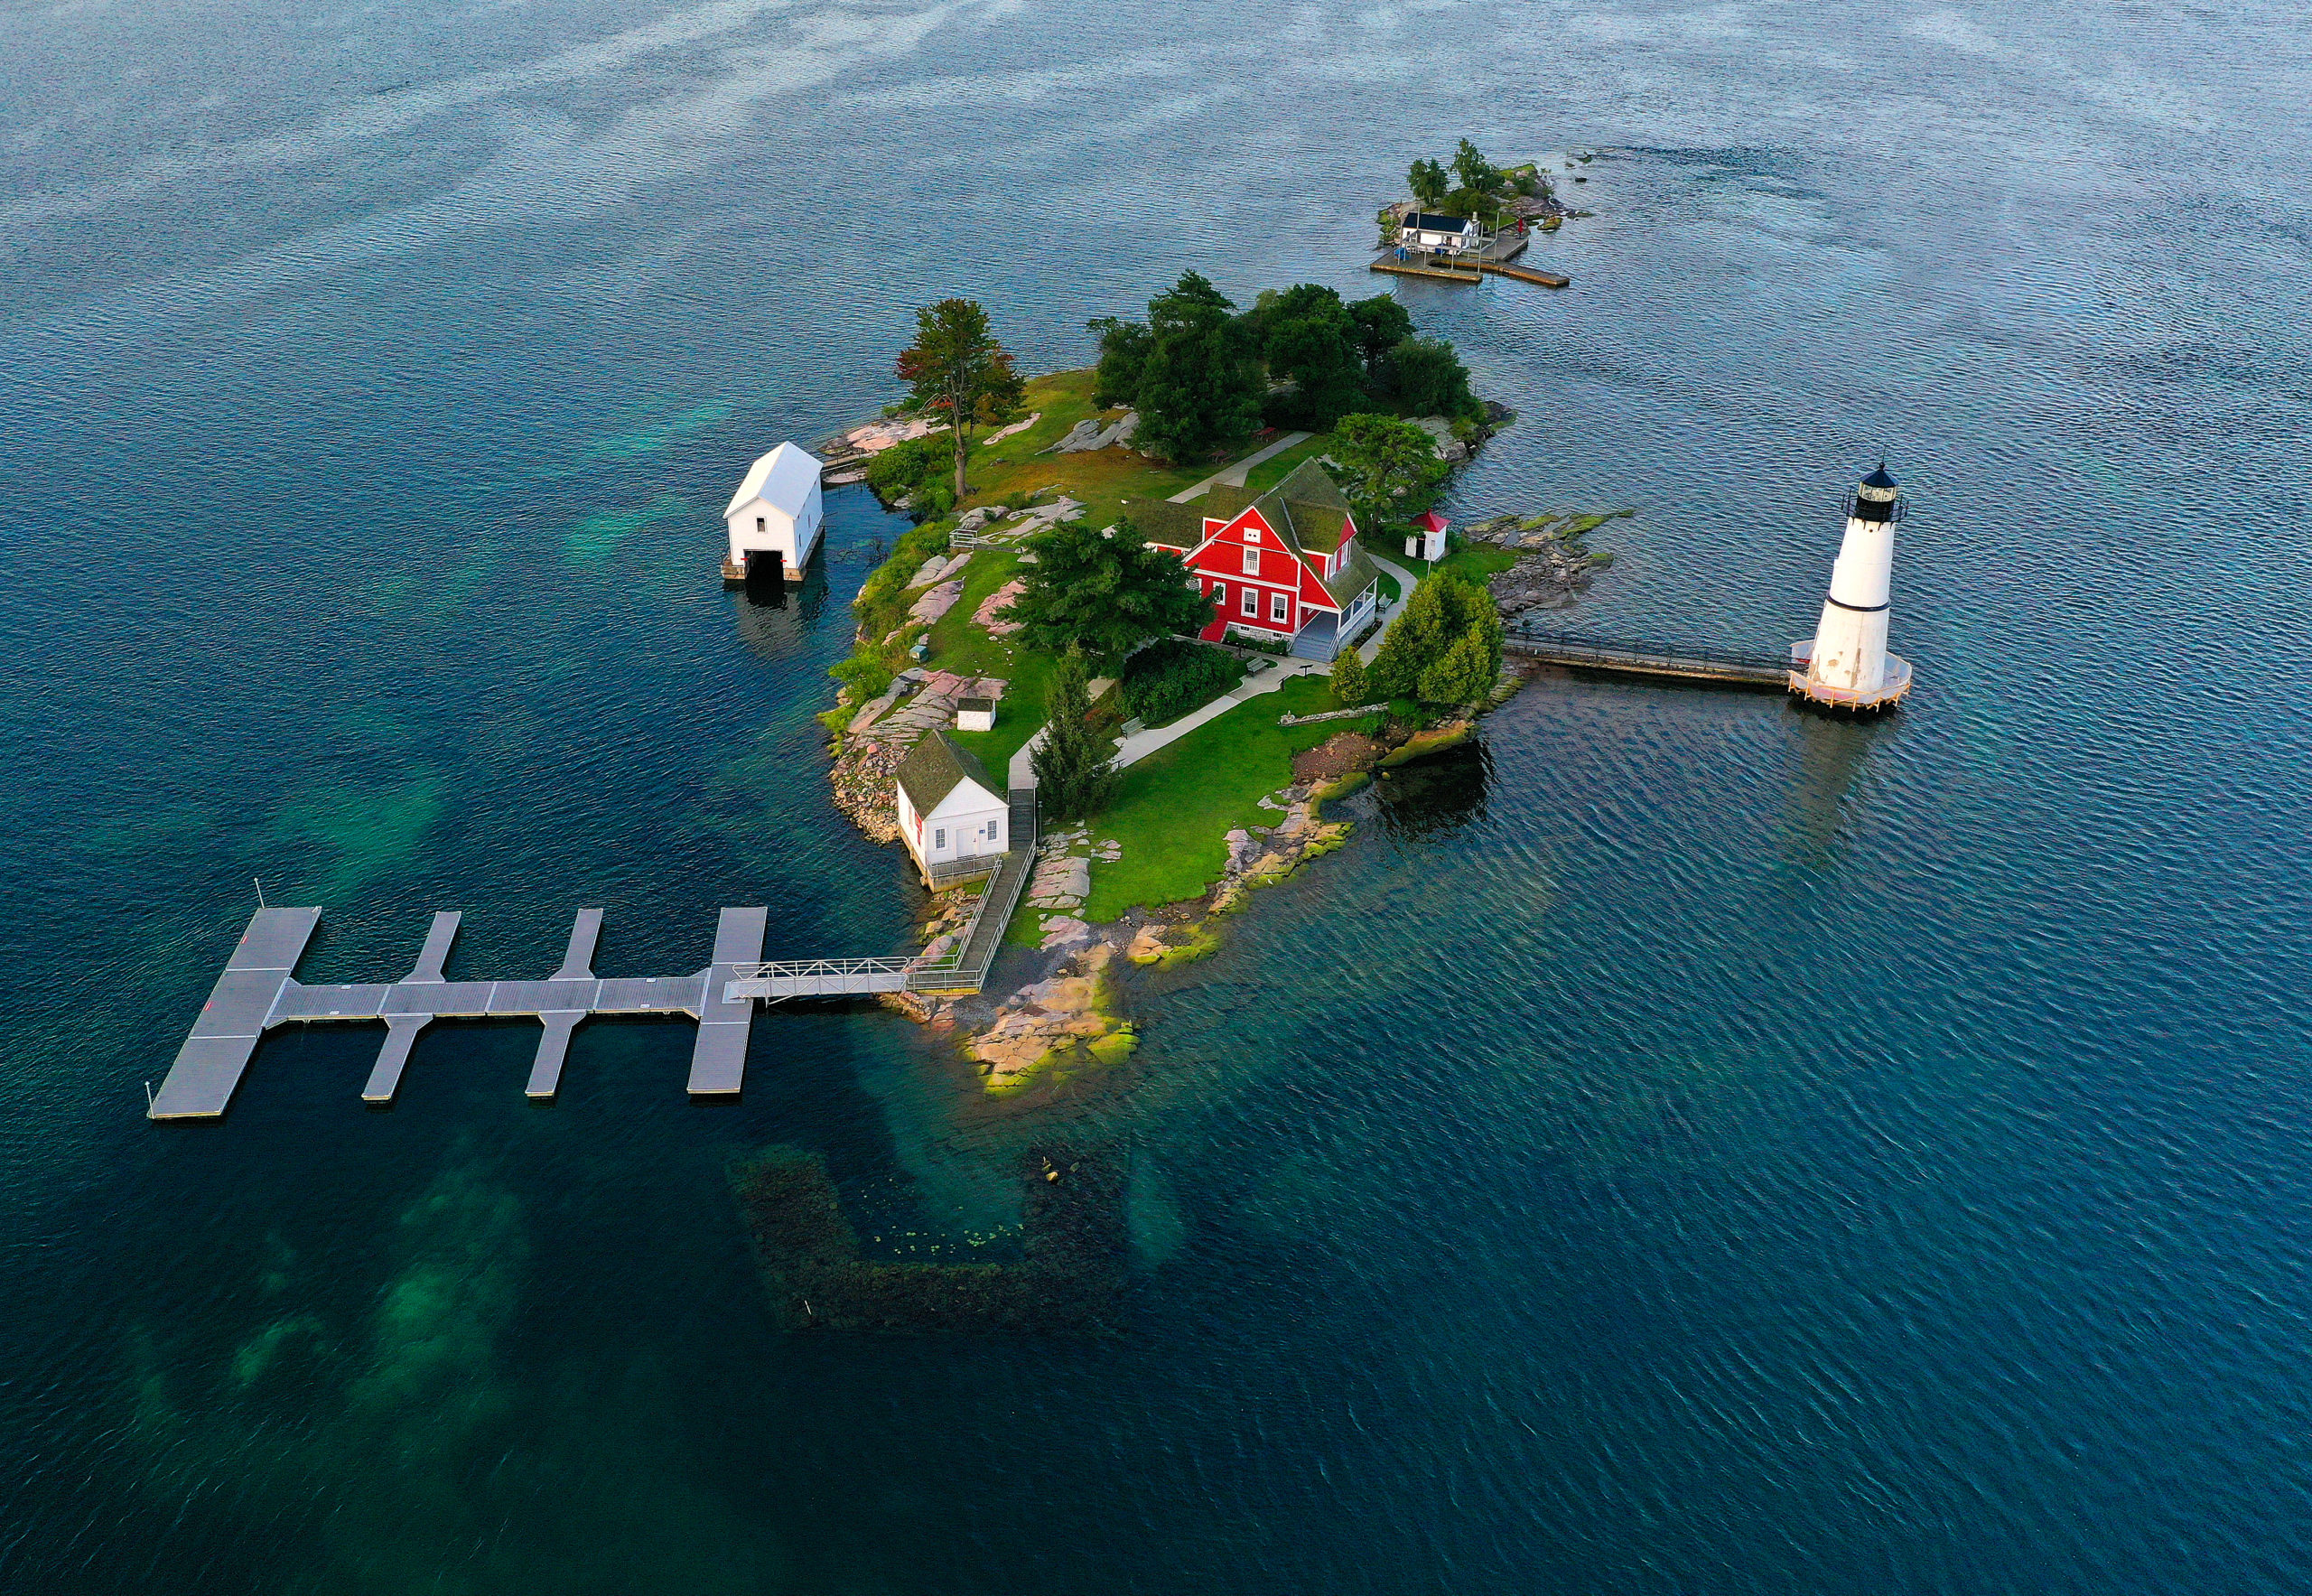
(1252, 603)
(1252, 562)
(992, 827)
(757, 523)
(1220, 594)
(1277, 604)
(1252, 534)
(939, 839)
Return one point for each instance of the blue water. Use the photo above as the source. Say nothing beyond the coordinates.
(1682, 1145)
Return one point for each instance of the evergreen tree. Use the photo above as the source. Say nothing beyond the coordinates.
(1428, 182)
(1124, 358)
(1201, 387)
(1351, 683)
(1074, 777)
(1104, 593)
(1445, 649)
(1463, 674)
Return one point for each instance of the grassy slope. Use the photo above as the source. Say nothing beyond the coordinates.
(1173, 810)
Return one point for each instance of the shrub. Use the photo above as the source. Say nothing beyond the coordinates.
(903, 468)
(1167, 679)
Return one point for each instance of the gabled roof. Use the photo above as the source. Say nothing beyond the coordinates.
(1175, 525)
(1352, 578)
(782, 478)
(1307, 508)
(934, 768)
(1430, 221)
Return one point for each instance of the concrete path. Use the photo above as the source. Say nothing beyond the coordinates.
(1131, 750)
(1234, 475)
(1405, 584)
(1023, 773)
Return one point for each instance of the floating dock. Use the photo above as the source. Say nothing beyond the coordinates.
(1471, 267)
(259, 990)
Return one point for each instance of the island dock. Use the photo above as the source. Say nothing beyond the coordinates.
(1725, 668)
(1494, 259)
(259, 990)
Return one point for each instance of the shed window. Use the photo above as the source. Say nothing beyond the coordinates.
(993, 827)
(1252, 603)
(940, 837)
(1276, 606)
(757, 523)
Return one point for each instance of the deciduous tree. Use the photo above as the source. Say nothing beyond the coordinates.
(1388, 466)
(1381, 325)
(1427, 379)
(957, 370)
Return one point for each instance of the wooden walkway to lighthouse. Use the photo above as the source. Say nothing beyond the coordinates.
(1727, 668)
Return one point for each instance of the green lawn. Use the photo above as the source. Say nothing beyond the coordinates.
(1268, 473)
(1172, 811)
(1477, 560)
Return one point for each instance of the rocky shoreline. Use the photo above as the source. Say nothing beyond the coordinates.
(1554, 565)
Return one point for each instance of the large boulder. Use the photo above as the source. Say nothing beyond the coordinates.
(1441, 431)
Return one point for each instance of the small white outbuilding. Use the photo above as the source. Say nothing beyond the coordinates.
(776, 510)
(949, 811)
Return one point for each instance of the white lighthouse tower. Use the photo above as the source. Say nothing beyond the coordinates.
(1847, 665)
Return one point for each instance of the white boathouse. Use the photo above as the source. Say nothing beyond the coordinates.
(951, 815)
(776, 510)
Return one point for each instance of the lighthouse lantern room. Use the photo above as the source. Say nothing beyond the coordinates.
(1847, 666)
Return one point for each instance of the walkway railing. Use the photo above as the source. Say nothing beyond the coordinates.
(967, 970)
(946, 873)
(1648, 658)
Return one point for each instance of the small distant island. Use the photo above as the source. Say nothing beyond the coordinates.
(1188, 594)
(1473, 188)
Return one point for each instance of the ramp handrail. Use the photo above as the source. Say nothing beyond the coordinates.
(1612, 647)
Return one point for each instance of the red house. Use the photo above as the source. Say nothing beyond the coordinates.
(1284, 566)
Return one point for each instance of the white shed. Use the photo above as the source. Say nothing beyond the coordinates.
(777, 510)
(949, 811)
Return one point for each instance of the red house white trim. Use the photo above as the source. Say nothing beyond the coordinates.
(1285, 566)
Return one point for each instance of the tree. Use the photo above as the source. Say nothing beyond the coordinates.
(1124, 358)
(1381, 325)
(1074, 777)
(1201, 387)
(1474, 170)
(1309, 340)
(1104, 593)
(1474, 203)
(1389, 464)
(1428, 182)
(1427, 379)
(1351, 683)
(958, 369)
(1463, 674)
(1445, 649)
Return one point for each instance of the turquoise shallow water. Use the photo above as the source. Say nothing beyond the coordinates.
(1682, 1145)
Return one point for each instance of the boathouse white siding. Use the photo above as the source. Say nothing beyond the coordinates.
(777, 510)
(948, 809)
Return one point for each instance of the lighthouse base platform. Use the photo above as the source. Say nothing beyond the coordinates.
(1886, 695)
